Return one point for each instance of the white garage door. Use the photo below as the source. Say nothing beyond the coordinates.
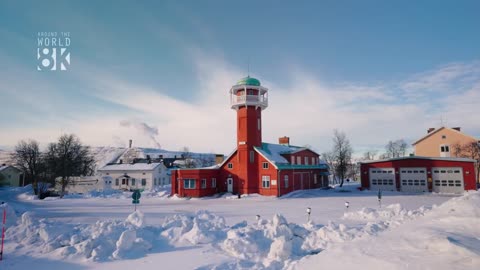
(447, 180)
(413, 179)
(382, 179)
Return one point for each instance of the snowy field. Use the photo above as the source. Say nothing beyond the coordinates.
(101, 231)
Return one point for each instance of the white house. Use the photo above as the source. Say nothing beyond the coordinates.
(139, 175)
(9, 176)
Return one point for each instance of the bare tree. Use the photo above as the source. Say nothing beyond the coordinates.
(67, 158)
(342, 153)
(469, 150)
(396, 148)
(329, 158)
(370, 155)
(27, 157)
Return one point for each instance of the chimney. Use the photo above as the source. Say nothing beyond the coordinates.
(284, 140)
(430, 130)
(130, 143)
(219, 159)
(456, 128)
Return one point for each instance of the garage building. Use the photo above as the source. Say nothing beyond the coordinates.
(419, 174)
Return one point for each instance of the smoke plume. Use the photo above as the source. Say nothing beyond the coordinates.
(149, 131)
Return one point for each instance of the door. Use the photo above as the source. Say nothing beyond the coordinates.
(448, 180)
(230, 185)
(382, 179)
(413, 179)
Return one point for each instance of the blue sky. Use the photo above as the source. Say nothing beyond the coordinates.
(378, 70)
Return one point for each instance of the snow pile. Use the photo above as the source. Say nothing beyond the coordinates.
(202, 228)
(447, 237)
(11, 217)
(110, 240)
(391, 213)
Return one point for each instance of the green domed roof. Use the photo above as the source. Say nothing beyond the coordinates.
(248, 81)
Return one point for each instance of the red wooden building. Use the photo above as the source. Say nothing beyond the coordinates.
(419, 174)
(254, 166)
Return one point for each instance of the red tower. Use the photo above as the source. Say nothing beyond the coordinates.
(248, 98)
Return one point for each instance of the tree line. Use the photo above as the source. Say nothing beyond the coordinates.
(63, 159)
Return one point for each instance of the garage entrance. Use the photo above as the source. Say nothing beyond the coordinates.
(413, 179)
(448, 180)
(382, 179)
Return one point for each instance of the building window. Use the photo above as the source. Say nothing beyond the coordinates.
(204, 183)
(123, 181)
(258, 124)
(265, 165)
(313, 161)
(230, 165)
(306, 160)
(116, 182)
(144, 182)
(189, 183)
(292, 160)
(444, 149)
(252, 156)
(315, 179)
(285, 179)
(133, 181)
(265, 181)
(143, 173)
(299, 160)
(214, 182)
(444, 136)
(107, 173)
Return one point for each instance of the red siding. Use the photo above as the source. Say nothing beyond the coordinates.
(468, 178)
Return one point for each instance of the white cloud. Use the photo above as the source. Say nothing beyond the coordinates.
(302, 107)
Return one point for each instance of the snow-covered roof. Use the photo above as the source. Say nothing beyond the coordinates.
(420, 157)
(4, 167)
(273, 153)
(130, 167)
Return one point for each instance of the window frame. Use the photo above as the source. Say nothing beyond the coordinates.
(266, 182)
(214, 182)
(144, 182)
(191, 183)
(285, 180)
(265, 165)
(230, 165)
(203, 183)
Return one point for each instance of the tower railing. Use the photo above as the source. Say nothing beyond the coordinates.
(249, 100)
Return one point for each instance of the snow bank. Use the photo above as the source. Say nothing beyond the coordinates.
(267, 243)
(447, 237)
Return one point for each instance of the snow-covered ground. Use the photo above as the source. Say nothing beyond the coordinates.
(101, 231)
